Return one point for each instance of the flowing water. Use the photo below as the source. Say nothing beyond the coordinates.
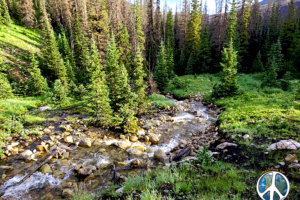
(50, 185)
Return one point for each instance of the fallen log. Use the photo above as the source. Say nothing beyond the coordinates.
(183, 153)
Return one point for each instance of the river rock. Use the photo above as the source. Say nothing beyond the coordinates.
(45, 169)
(86, 171)
(160, 155)
(44, 108)
(139, 147)
(66, 128)
(85, 142)
(284, 144)
(133, 138)
(27, 155)
(125, 144)
(225, 145)
(290, 158)
(67, 193)
(134, 151)
(135, 163)
(68, 139)
(153, 138)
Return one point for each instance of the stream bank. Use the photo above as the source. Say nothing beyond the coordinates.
(163, 135)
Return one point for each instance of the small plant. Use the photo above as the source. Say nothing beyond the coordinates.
(204, 156)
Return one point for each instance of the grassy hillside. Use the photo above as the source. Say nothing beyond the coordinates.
(16, 44)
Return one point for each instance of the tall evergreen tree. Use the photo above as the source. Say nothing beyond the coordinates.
(99, 95)
(288, 28)
(229, 85)
(231, 29)
(138, 79)
(37, 83)
(243, 52)
(258, 66)
(117, 78)
(122, 41)
(161, 74)
(27, 13)
(194, 27)
(204, 55)
(4, 14)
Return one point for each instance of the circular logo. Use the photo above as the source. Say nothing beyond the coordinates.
(273, 185)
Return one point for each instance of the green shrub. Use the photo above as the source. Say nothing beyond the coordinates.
(204, 156)
(13, 127)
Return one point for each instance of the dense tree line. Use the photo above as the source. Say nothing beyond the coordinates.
(111, 48)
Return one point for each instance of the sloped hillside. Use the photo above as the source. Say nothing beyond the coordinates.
(16, 44)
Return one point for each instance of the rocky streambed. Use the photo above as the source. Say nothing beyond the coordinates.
(83, 156)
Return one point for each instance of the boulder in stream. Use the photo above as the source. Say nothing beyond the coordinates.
(85, 142)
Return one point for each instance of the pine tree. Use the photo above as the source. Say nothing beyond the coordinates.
(117, 78)
(138, 26)
(27, 13)
(5, 88)
(51, 55)
(138, 79)
(271, 74)
(194, 27)
(258, 66)
(122, 41)
(229, 85)
(161, 74)
(276, 53)
(37, 83)
(244, 35)
(231, 29)
(204, 55)
(288, 28)
(67, 55)
(170, 30)
(99, 95)
(170, 59)
(4, 14)
(60, 92)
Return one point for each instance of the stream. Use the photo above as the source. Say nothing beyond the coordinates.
(189, 118)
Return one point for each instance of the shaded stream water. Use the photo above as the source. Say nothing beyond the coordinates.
(186, 121)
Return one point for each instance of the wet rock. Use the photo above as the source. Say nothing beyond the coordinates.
(134, 151)
(139, 147)
(67, 193)
(133, 138)
(85, 142)
(290, 158)
(47, 130)
(225, 145)
(125, 144)
(45, 169)
(27, 155)
(122, 164)
(146, 138)
(153, 138)
(84, 171)
(135, 163)
(160, 155)
(44, 108)
(66, 128)
(68, 139)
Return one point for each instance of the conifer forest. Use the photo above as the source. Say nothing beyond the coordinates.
(141, 99)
